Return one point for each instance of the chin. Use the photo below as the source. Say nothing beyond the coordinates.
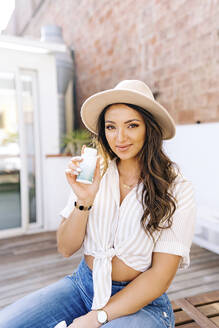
(126, 156)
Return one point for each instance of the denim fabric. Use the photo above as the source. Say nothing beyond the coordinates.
(72, 297)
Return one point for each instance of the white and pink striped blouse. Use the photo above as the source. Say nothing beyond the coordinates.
(115, 229)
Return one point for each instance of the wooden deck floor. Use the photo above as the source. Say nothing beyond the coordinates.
(30, 262)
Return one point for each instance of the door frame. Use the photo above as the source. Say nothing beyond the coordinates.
(43, 69)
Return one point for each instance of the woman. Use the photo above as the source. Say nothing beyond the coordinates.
(135, 221)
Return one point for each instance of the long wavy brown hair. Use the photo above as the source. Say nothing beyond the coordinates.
(157, 174)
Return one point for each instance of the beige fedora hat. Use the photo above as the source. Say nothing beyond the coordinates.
(129, 92)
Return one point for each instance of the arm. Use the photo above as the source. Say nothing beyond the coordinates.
(71, 231)
(141, 291)
(145, 288)
(154, 282)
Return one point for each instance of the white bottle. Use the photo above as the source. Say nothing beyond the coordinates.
(87, 166)
(61, 324)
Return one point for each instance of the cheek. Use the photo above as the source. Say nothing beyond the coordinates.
(143, 137)
(109, 137)
(140, 136)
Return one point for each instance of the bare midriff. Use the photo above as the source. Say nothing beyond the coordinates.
(120, 271)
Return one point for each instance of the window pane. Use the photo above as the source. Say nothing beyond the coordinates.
(28, 112)
(10, 203)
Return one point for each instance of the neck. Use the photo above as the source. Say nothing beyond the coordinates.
(129, 167)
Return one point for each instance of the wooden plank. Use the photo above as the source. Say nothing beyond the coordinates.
(199, 266)
(193, 290)
(21, 284)
(31, 262)
(175, 306)
(15, 259)
(18, 240)
(196, 281)
(189, 325)
(181, 317)
(208, 269)
(204, 258)
(8, 299)
(204, 298)
(6, 245)
(187, 277)
(195, 314)
(34, 258)
(36, 262)
(209, 309)
(31, 265)
(215, 320)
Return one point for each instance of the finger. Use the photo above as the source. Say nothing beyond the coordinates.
(76, 159)
(74, 167)
(71, 175)
(82, 149)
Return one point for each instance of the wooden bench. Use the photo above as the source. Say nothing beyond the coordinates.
(200, 311)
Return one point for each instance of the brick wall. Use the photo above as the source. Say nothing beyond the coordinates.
(172, 45)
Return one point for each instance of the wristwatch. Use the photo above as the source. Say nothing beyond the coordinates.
(102, 317)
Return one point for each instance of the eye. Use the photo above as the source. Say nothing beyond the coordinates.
(133, 125)
(109, 127)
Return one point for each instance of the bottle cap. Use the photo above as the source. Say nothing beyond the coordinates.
(61, 324)
(90, 151)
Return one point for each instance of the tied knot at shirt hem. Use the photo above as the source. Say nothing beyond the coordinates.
(102, 280)
(102, 254)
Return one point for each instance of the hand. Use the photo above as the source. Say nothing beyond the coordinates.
(88, 320)
(85, 192)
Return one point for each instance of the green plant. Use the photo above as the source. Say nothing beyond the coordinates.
(10, 138)
(73, 141)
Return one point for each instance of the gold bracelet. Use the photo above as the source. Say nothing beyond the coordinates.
(82, 207)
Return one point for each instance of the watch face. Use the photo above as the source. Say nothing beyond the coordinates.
(102, 316)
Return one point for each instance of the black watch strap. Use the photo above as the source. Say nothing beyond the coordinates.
(82, 207)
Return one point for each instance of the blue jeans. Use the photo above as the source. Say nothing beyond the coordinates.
(72, 297)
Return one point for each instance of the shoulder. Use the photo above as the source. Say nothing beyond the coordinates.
(182, 183)
(183, 191)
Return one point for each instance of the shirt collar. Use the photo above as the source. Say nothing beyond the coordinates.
(114, 182)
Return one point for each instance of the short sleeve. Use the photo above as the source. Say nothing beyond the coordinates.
(69, 206)
(178, 238)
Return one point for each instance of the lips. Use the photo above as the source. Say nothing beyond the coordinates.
(123, 148)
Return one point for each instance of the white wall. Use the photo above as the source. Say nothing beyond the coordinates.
(194, 148)
(56, 190)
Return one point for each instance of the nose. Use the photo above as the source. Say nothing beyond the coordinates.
(121, 135)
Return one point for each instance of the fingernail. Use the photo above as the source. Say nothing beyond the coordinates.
(75, 172)
(75, 158)
(78, 169)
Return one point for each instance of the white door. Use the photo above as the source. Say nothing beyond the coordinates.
(21, 201)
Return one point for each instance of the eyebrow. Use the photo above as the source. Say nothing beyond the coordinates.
(125, 122)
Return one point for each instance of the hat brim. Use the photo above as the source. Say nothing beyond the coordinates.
(94, 105)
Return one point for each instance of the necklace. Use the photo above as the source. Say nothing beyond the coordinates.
(127, 186)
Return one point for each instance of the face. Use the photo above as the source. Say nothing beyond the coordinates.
(124, 130)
